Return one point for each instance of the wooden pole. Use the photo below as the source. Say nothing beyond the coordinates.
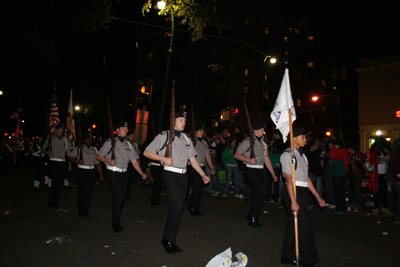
(296, 230)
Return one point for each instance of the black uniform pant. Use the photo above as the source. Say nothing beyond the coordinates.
(307, 248)
(338, 186)
(197, 188)
(86, 180)
(256, 179)
(176, 185)
(156, 173)
(117, 182)
(133, 175)
(38, 168)
(57, 174)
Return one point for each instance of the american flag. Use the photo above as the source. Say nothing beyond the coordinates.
(54, 117)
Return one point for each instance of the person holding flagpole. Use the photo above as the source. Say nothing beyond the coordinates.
(299, 237)
(298, 204)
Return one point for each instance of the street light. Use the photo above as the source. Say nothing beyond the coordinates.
(315, 98)
(272, 59)
(77, 108)
(161, 5)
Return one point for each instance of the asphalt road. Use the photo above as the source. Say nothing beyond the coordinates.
(351, 239)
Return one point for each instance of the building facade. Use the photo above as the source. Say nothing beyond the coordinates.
(379, 99)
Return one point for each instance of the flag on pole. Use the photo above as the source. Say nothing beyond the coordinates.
(284, 102)
(70, 119)
(54, 117)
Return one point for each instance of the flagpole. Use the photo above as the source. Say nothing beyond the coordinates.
(296, 231)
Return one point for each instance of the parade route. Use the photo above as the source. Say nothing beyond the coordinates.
(351, 239)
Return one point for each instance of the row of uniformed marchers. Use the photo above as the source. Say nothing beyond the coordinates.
(174, 172)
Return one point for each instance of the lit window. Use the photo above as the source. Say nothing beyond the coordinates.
(246, 72)
(214, 123)
(323, 82)
(311, 64)
(137, 44)
(265, 94)
(246, 89)
(168, 34)
(266, 30)
(296, 30)
(311, 38)
(265, 78)
(286, 53)
(149, 55)
(298, 102)
(285, 39)
(312, 119)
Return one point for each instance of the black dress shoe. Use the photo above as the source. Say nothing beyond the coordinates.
(169, 247)
(254, 223)
(117, 228)
(191, 210)
(154, 203)
(178, 249)
(285, 261)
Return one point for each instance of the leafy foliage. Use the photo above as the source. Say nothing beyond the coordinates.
(221, 14)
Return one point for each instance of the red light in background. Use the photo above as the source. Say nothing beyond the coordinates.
(94, 126)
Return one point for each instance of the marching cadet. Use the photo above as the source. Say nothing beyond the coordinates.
(203, 157)
(174, 175)
(117, 174)
(57, 165)
(255, 171)
(132, 173)
(307, 247)
(39, 160)
(85, 156)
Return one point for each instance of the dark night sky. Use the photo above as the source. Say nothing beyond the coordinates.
(359, 28)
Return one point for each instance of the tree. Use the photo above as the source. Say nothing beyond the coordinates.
(221, 14)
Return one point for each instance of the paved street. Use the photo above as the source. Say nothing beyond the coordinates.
(351, 239)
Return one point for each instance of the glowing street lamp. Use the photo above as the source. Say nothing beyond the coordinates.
(77, 108)
(272, 59)
(378, 133)
(161, 5)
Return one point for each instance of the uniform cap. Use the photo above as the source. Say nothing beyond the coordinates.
(258, 125)
(58, 126)
(180, 114)
(298, 131)
(121, 124)
(199, 127)
(86, 135)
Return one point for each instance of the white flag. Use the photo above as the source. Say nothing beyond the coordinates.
(70, 119)
(284, 101)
